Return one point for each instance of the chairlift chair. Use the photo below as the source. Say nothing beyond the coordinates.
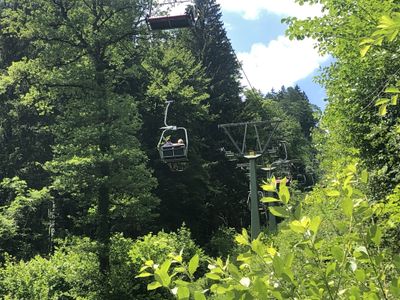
(176, 14)
(174, 153)
(230, 156)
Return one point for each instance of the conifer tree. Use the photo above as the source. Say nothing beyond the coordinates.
(99, 176)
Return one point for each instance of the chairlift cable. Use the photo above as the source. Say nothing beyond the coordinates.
(241, 68)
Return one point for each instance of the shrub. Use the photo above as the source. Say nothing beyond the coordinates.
(336, 255)
(70, 273)
(159, 247)
(222, 243)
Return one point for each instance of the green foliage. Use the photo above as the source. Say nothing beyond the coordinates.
(19, 234)
(355, 83)
(85, 119)
(222, 242)
(338, 255)
(70, 273)
(164, 246)
(157, 247)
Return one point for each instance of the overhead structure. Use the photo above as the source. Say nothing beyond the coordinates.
(245, 151)
(173, 144)
(171, 14)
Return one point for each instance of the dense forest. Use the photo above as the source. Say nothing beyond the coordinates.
(90, 208)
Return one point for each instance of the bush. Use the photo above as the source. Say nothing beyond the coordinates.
(333, 250)
(70, 273)
(158, 247)
(222, 243)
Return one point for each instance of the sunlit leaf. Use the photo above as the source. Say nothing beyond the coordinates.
(213, 276)
(347, 206)
(154, 285)
(383, 110)
(183, 293)
(269, 200)
(364, 50)
(199, 296)
(278, 211)
(142, 275)
(392, 90)
(193, 264)
(333, 193)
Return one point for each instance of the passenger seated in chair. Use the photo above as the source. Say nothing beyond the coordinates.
(167, 144)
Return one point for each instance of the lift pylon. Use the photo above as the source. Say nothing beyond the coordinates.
(259, 149)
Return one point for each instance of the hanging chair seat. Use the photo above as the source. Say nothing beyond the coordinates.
(171, 22)
(173, 152)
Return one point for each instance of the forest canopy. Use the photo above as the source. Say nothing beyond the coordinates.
(90, 210)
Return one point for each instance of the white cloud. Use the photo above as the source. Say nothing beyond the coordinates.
(281, 62)
(251, 9)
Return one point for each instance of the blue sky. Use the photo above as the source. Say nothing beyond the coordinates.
(269, 59)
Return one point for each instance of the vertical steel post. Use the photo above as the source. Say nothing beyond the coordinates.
(255, 217)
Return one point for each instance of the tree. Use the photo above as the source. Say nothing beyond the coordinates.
(79, 78)
(354, 83)
(296, 104)
(174, 74)
(227, 185)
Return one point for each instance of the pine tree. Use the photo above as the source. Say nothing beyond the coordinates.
(227, 185)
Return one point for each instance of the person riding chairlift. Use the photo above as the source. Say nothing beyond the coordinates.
(178, 143)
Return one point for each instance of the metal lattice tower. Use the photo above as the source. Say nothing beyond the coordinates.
(252, 155)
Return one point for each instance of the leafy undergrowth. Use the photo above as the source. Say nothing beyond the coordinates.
(331, 246)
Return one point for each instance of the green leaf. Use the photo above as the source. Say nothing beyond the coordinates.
(347, 206)
(193, 264)
(360, 275)
(383, 110)
(278, 264)
(331, 267)
(213, 276)
(181, 282)
(394, 99)
(165, 266)
(284, 194)
(154, 285)
(161, 274)
(364, 176)
(257, 246)
(143, 268)
(298, 211)
(179, 269)
(183, 293)
(364, 50)
(314, 225)
(145, 274)
(277, 295)
(242, 239)
(269, 200)
(289, 275)
(382, 101)
(278, 211)
(199, 296)
(149, 263)
(337, 253)
(332, 193)
(297, 227)
(376, 235)
(268, 188)
(289, 260)
(392, 90)
(366, 41)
